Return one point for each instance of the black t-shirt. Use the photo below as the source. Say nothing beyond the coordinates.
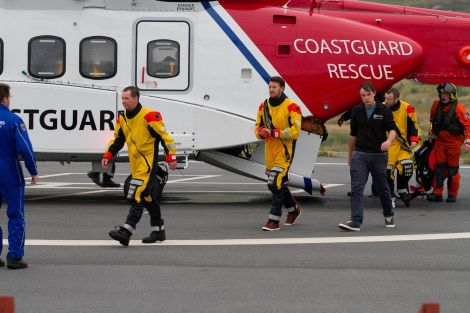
(370, 133)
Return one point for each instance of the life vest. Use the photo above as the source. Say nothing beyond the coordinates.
(447, 120)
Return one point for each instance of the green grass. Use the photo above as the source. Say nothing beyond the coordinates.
(337, 141)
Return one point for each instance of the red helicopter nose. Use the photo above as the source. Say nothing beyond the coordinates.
(337, 60)
(323, 58)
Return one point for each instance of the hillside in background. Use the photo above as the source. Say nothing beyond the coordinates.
(453, 5)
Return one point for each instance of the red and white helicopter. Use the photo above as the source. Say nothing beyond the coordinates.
(205, 66)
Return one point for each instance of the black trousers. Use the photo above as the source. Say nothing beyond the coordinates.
(154, 189)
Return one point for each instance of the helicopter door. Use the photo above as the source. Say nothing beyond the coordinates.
(162, 55)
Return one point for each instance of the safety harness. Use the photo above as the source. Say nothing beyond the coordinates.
(268, 123)
(447, 120)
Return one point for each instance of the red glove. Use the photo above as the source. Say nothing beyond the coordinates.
(171, 160)
(263, 132)
(108, 156)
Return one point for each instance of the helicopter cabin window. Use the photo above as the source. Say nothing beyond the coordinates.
(98, 57)
(46, 57)
(163, 58)
(1, 56)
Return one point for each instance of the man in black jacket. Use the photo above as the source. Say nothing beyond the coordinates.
(368, 145)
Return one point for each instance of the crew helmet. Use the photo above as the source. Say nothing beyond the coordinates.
(448, 88)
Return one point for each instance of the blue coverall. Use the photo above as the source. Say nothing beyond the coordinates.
(14, 141)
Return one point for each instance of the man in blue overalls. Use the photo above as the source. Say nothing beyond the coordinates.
(14, 141)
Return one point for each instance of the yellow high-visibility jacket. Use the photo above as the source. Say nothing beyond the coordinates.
(405, 118)
(284, 121)
(143, 130)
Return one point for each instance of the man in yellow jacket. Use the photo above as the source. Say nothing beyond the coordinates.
(143, 130)
(278, 124)
(400, 153)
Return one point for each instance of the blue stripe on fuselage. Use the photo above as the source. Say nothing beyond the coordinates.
(250, 57)
(308, 185)
(237, 41)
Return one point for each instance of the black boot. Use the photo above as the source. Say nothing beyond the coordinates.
(433, 197)
(406, 198)
(95, 177)
(155, 236)
(2, 263)
(16, 263)
(107, 181)
(451, 198)
(121, 234)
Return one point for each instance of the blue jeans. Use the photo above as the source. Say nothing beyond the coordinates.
(362, 164)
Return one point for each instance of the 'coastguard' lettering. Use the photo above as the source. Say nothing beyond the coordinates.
(67, 119)
(346, 46)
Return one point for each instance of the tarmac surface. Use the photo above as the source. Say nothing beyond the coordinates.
(217, 258)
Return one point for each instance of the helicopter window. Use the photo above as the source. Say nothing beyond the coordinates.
(98, 57)
(46, 57)
(163, 58)
(1, 56)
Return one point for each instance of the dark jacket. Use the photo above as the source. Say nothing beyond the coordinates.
(371, 133)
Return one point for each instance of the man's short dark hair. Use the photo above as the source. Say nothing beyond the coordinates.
(368, 86)
(278, 80)
(134, 91)
(4, 91)
(396, 93)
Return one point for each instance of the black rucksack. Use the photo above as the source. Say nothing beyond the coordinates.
(424, 173)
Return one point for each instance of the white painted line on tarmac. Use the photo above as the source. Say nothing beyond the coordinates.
(326, 163)
(220, 183)
(75, 185)
(217, 191)
(95, 189)
(69, 194)
(170, 175)
(191, 178)
(250, 242)
(55, 175)
(326, 186)
(346, 164)
(118, 174)
(43, 185)
(166, 192)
